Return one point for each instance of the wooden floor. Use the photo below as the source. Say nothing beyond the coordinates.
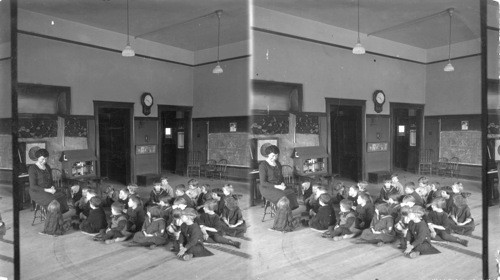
(493, 240)
(302, 254)
(7, 244)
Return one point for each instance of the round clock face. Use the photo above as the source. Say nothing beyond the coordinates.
(148, 100)
(380, 97)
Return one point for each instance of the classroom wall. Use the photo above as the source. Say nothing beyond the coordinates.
(5, 89)
(457, 92)
(146, 127)
(221, 95)
(378, 161)
(327, 71)
(95, 74)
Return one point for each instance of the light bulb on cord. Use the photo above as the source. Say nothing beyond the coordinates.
(128, 51)
(449, 67)
(358, 48)
(218, 69)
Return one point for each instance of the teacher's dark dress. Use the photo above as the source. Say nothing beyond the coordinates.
(269, 176)
(39, 181)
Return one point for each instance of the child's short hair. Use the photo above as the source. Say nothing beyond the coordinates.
(176, 213)
(324, 198)
(95, 201)
(85, 189)
(387, 181)
(154, 211)
(132, 187)
(206, 186)
(362, 184)
(394, 196)
(383, 208)
(404, 210)
(459, 201)
(423, 180)
(410, 185)
(181, 188)
(167, 199)
(91, 191)
(54, 206)
(417, 210)
(283, 203)
(408, 198)
(231, 203)
(439, 202)
(117, 206)
(193, 182)
(394, 175)
(208, 195)
(354, 187)
(211, 204)
(229, 188)
(135, 199)
(321, 187)
(125, 191)
(346, 203)
(163, 178)
(190, 213)
(364, 196)
(437, 185)
(421, 190)
(156, 182)
(180, 200)
(459, 185)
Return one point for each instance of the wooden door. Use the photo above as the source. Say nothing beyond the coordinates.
(346, 141)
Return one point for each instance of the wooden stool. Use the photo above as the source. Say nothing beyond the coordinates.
(271, 211)
(40, 212)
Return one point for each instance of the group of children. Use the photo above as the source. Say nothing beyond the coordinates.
(186, 216)
(412, 216)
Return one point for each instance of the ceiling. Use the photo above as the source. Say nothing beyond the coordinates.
(150, 15)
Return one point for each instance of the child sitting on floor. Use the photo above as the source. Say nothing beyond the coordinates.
(440, 225)
(362, 186)
(353, 195)
(54, 223)
(180, 191)
(433, 193)
(165, 186)
(393, 204)
(418, 236)
(156, 193)
(76, 194)
(340, 192)
(325, 216)
(401, 225)
(81, 204)
(234, 225)
(3, 228)
(462, 221)
(385, 191)
(201, 200)
(123, 197)
(132, 189)
(117, 228)
(96, 220)
(166, 209)
(443, 192)
(135, 214)
(314, 203)
(396, 184)
(212, 227)
(458, 189)
(311, 201)
(381, 227)
(174, 229)
(364, 211)
(345, 227)
(283, 218)
(194, 186)
(410, 190)
(153, 232)
(191, 237)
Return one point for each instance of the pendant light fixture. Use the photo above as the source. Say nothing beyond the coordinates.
(128, 51)
(449, 67)
(358, 48)
(218, 69)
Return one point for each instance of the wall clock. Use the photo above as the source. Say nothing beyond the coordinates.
(147, 103)
(378, 100)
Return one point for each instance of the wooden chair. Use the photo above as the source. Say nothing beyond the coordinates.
(442, 166)
(194, 164)
(208, 168)
(425, 161)
(289, 178)
(269, 209)
(40, 213)
(220, 169)
(453, 167)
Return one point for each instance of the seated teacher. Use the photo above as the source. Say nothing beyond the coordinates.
(272, 186)
(41, 189)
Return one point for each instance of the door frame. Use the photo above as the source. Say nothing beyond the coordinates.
(420, 138)
(329, 102)
(130, 173)
(188, 113)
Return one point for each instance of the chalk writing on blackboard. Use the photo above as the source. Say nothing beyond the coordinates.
(464, 145)
(234, 147)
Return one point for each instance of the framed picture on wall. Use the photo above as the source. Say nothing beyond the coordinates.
(262, 144)
(465, 125)
(233, 127)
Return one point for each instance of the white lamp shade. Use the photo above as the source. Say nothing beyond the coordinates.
(217, 69)
(128, 51)
(358, 49)
(449, 67)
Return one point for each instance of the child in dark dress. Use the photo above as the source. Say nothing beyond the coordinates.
(418, 237)
(233, 225)
(54, 223)
(96, 220)
(117, 227)
(283, 218)
(156, 193)
(462, 221)
(440, 225)
(345, 227)
(212, 227)
(385, 191)
(365, 211)
(381, 227)
(153, 231)
(191, 237)
(323, 219)
(135, 214)
(180, 191)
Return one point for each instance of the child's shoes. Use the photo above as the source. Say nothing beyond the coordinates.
(109, 241)
(463, 242)
(235, 244)
(326, 234)
(187, 257)
(380, 244)
(338, 238)
(414, 254)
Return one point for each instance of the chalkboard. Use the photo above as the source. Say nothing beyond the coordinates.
(465, 145)
(6, 152)
(231, 146)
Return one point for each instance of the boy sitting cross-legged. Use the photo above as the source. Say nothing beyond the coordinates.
(345, 227)
(212, 227)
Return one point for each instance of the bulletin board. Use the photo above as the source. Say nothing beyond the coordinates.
(465, 145)
(234, 147)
